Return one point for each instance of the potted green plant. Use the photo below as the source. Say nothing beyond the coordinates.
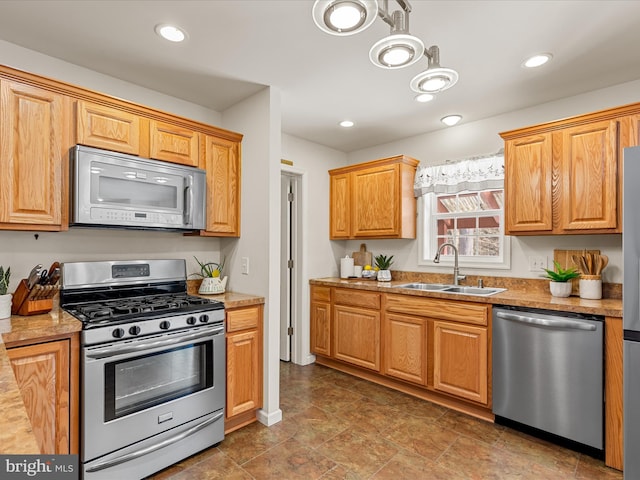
(560, 284)
(383, 263)
(211, 273)
(5, 298)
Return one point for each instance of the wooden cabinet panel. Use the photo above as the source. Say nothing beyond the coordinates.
(474, 313)
(105, 127)
(631, 133)
(340, 206)
(528, 184)
(614, 395)
(373, 199)
(320, 320)
(43, 375)
(405, 352)
(174, 144)
(460, 360)
(34, 144)
(356, 336)
(356, 298)
(222, 163)
(588, 169)
(244, 380)
(243, 318)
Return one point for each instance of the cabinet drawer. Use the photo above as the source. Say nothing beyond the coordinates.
(320, 294)
(356, 298)
(456, 311)
(243, 318)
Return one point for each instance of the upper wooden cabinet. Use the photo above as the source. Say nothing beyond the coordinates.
(41, 119)
(34, 145)
(174, 144)
(223, 166)
(373, 199)
(565, 177)
(106, 127)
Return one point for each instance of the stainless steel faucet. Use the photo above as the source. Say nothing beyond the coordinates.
(456, 271)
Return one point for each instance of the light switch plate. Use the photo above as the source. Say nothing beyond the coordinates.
(244, 265)
(537, 263)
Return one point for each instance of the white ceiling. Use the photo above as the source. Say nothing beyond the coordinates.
(237, 47)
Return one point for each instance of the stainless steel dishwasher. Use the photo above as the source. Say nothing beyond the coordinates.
(548, 372)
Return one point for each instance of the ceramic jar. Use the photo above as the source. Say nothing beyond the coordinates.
(560, 289)
(384, 275)
(5, 305)
(591, 287)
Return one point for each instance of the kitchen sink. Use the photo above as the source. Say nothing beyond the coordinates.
(461, 290)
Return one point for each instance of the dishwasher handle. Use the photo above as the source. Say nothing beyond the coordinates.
(550, 322)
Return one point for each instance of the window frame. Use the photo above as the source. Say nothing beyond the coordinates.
(428, 241)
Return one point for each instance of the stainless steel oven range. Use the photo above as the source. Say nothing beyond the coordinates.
(152, 366)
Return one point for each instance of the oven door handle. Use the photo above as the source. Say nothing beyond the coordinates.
(152, 448)
(120, 350)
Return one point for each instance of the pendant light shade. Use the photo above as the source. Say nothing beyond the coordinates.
(396, 51)
(434, 80)
(344, 17)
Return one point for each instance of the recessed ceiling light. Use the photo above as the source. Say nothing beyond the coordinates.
(346, 123)
(537, 60)
(424, 97)
(171, 33)
(451, 120)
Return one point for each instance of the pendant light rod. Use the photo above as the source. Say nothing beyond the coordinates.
(389, 19)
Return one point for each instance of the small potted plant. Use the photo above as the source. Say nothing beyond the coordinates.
(5, 298)
(560, 284)
(383, 263)
(211, 273)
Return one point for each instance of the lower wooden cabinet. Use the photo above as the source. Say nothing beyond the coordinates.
(244, 365)
(46, 374)
(356, 336)
(405, 352)
(460, 360)
(320, 324)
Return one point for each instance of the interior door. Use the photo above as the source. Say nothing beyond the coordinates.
(287, 296)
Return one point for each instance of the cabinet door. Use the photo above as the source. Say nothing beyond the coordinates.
(356, 336)
(528, 184)
(222, 163)
(174, 144)
(340, 206)
(320, 328)
(460, 360)
(405, 352)
(376, 201)
(589, 170)
(109, 128)
(632, 134)
(244, 373)
(34, 143)
(42, 373)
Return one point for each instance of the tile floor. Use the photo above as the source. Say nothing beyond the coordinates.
(336, 426)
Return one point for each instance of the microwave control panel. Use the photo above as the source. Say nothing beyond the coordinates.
(107, 215)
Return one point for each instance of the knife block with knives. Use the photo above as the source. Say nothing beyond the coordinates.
(35, 294)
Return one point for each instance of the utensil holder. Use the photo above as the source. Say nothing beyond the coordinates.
(32, 302)
(591, 287)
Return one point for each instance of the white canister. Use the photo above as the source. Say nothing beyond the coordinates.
(5, 305)
(357, 271)
(346, 267)
(591, 287)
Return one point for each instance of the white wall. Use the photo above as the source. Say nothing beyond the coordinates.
(311, 161)
(258, 118)
(482, 137)
(22, 251)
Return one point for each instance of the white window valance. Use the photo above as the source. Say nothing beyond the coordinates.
(478, 173)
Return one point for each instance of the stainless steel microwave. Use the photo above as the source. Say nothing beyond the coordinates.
(112, 189)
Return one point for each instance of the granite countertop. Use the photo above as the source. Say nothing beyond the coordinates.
(519, 293)
(16, 434)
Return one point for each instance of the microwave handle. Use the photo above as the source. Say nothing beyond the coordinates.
(188, 200)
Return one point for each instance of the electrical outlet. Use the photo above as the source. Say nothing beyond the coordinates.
(244, 265)
(537, 263)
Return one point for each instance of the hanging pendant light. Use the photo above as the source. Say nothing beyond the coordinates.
(435, 78)
(399, 49)
(344, 17)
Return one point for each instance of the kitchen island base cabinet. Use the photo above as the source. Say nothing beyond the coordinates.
(46, 374)
(244, 365)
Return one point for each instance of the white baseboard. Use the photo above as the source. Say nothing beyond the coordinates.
(269, 419)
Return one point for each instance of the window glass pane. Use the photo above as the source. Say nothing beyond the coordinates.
(489, 225)
(468, 202)
(467, 245)
(445, 226)
(489, 246)
(466, 225)
(447, 204)
(491, 200)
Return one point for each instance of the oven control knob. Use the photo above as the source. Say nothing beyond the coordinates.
(191, 320)
(204, 318)
(118, 333)
(135, 330)
(165, 325)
